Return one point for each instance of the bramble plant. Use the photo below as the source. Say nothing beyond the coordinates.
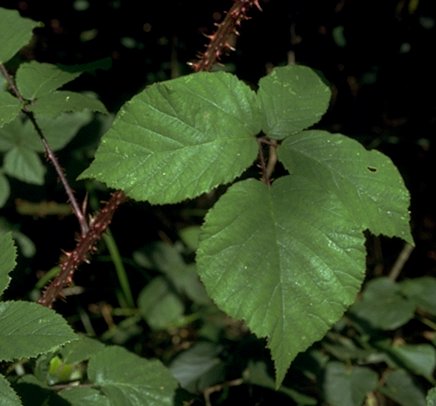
(283, 251)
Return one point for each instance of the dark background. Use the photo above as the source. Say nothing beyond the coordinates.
(378, 57)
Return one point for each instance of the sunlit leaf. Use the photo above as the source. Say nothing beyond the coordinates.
(293, 98)
(180, 138)
(28, 329)
(367, 182)
(288, 268)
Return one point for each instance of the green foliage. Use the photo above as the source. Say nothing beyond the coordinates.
(283, 256)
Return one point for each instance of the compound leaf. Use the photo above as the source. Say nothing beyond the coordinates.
(180, 138)
(288, 268)
(7, 259)
(367, 182)
(15, 32)
(28, 329)
(134, 381)
(292, 98)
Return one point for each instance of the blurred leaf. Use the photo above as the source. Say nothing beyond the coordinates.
(28, 329)
(24, 164)
(160, 307)
(127, 379)
(400, 387)
(422, 292)
(61, 371)
(431, 397)
(257, 374)
(188, 135)
(383, 306)
(293, 98)
(4, 189)
(34, 393)
(7, 260)
(190, 236)
(10, 107)
(7, 394)
(82, 396)
(198, 367)
(36, 79)
(15, 32)
(419, 359)
(348, 385)
(64, 101)
(58, 131)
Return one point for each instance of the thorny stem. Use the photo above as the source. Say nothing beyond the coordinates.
(220, 41)
(50, 154)
(85, 245)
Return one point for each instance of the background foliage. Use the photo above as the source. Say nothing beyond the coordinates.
(377, 58)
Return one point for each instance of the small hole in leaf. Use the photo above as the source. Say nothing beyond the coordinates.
(372, 169)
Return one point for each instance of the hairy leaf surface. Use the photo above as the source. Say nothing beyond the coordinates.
(7, 259)
(292, 98)
(28, 329)
(288, 259)
(367, 182)
(15, 32)
(180, 138)
(130, 380)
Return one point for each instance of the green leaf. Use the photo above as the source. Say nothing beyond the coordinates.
(199, 367)
(28, 329)
(34, 393)
(64, 101)
(400, 387)
(383, 306)
(421, 292)
(431, 397)
(127, 379)
(7, 394)
(367, 182)
(36, 79)
(24, 164)
(9, 108)
(80, 350)
(82, 396)
(58, 131)
(15, 32)
(281, 264)
(160, 307)
(419, 359)
(344, 386)
(4, 189)
(180, 138)
(293, 98)
(7, 259)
